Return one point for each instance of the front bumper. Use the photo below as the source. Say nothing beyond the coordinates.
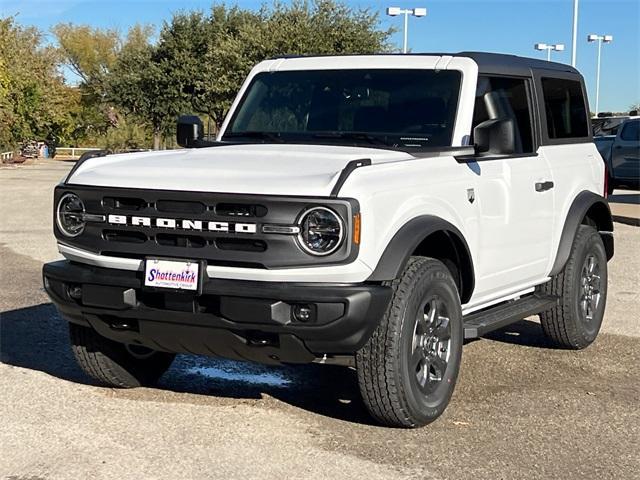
(231, 318)
(354, 272)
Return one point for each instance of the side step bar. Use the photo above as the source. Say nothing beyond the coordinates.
(479, 323)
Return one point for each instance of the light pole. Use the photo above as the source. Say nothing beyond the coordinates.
(416, 12)
(574, 44)
(600, 39)
(558, 47)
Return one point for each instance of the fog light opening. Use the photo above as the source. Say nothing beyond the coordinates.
(74, 291)
(303, 312)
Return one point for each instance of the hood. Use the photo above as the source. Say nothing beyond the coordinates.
(279, 169)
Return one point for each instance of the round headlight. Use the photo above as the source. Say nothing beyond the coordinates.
(321, 231)
(70, 215)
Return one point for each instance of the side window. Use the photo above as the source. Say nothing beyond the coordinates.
(502, 97)
(565, 107)
(631, 132)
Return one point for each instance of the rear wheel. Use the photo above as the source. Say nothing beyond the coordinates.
(115, 364)
(582, 289)
(408, 369)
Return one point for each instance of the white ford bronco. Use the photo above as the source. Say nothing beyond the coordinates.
(371, 211)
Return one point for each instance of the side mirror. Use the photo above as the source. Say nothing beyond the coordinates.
(190, 131)
(496, 136)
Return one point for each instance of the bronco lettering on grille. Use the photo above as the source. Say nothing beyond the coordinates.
(183, 224)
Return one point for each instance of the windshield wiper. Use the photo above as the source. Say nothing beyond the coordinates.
(372, 139)
(254, 134)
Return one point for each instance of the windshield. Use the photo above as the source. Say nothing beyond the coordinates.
(385, 108)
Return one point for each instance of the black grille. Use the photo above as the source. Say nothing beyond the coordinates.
(177, 240)
(125, 204)
(173, 206)
(202, 237)
(241, 210)
(124, 236)
(241, 244)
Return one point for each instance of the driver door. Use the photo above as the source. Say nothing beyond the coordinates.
(514, 193)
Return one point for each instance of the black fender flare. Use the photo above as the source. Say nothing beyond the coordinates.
(584, 203)
(406, 240)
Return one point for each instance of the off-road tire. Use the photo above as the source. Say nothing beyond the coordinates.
(111, 363)
(387, 381)
(565, 325)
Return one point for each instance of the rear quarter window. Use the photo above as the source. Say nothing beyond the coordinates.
(565, 108)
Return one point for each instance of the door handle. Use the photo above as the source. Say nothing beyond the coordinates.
(544, 186)
(617, 147)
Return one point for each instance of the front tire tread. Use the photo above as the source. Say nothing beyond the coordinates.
(378, 362)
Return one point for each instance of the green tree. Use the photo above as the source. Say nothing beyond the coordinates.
(35, 103)
(147, 81)
(200, 61)
(324, 27)
(238, 39)
(234, 40)
(90, 54)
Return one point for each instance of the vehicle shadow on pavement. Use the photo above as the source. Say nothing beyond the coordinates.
(327, 390)
(525, 333)
(37, 338)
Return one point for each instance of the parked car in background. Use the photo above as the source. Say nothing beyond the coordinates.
(605, 127)
(29, 149)
(621, 151)
(607, 124)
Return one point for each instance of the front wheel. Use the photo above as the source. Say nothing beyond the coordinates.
(407, 370)
(115, 364)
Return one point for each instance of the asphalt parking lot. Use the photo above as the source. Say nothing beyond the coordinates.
(521, 408)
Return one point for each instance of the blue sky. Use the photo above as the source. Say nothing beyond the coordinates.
(510, 26)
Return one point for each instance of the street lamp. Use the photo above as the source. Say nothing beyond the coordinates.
(600, 39)
(416, 12)
(574, 41)
(558, 47)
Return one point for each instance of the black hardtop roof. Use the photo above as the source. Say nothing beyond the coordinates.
(501, 62)
(498, 63)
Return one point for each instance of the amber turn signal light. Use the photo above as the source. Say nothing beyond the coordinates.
(356, 229)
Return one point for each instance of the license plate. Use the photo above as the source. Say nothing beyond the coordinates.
(173, 274)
